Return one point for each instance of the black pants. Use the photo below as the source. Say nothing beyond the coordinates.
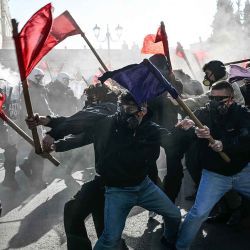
(89, 200)
(173, 179)
(182, 145)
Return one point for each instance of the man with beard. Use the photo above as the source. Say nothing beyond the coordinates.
(229, 124)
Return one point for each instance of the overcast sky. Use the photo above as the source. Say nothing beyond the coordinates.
(185, 20)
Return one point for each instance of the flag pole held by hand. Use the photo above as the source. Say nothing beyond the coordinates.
(37, 144)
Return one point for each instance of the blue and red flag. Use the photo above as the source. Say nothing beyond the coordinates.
(144, 81)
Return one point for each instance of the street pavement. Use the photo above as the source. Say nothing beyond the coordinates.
(33, 219)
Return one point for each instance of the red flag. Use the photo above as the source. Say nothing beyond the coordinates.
(63, 26)
(2, 100)
(200, 55)
(157, 44)
(179, 51)
(152, 47)
(39, 35)
(31, 39)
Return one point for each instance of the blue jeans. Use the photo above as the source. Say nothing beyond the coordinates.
(119, 202)
(211, 189)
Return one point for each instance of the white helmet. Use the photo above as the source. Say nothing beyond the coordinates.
(36, 76)
(63, 78)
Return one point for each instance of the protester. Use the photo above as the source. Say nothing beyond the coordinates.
(214, 71)
(229, 124)
(99, 104)
(125, 148)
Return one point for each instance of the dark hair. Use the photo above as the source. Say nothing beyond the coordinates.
(223, 85)
(217, 67)
(126, 98)
(248, 65)
(97, 89)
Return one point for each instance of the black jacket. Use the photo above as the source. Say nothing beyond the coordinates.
(123, 156)
(94, 111)
(234, 132)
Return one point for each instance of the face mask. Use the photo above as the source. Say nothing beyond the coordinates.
(217, 106)
(129, 119)
(207, 81)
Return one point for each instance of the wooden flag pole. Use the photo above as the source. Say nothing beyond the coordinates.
(87, 41)
(28, 139)
(185, 58)
(235, 62)
(192, 115)
(37, 144)
(165, 44)
(199, 125)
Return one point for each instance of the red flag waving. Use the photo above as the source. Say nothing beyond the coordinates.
(2, 100)
(152, 47)
(30, 40)
(63, 26)
(180, 51)
(39, 35)
(157, 44)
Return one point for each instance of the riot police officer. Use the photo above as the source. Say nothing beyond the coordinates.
(6, 143)
(33, 164)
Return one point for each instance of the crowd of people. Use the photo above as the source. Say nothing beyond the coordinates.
(128, 145)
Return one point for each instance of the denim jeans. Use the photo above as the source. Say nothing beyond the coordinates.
(211, 189)
(120, 200)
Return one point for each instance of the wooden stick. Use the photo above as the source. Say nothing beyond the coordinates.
(165, 44)
(37, 144)
(199, 125)
(235, 62)
(29, 139)
(87, 41)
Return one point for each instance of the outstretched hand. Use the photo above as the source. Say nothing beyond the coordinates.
(36, 120)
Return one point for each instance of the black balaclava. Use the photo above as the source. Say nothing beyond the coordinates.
(128, 117)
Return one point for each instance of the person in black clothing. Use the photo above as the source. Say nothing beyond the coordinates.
(126, 146)
(98, 104)
(229, 124)
(245, 90)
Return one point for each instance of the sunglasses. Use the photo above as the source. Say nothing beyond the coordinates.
(218, 98)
